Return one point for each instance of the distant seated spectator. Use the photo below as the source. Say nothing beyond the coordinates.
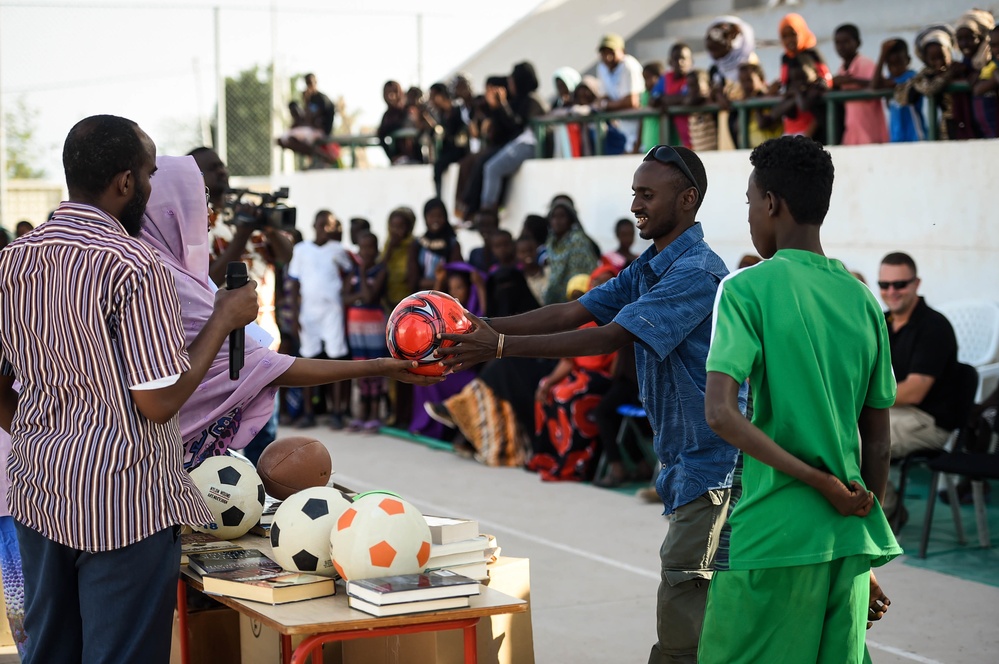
(620, 258)
(985, 92)
(527, 260)
(620, 76)
(24, 226)
(312, 125)
(703, 126)
(671, 90)
(648, 130)
(570, 250)
(863, 121)
(399, 149)
(802, 109)
(450, 130)
(565, 80)
(761, 124)
(438, 245)
(485, 222)
(536, 227)
(975, 115)
(507, 290)
(905, 107)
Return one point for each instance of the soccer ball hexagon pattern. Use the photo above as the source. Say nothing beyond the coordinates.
(234, 495)
(300, 533)
(380, 534)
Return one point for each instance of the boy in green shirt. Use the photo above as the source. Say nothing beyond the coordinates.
(811, 340)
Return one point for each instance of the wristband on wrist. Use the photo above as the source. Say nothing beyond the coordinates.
(499, 346)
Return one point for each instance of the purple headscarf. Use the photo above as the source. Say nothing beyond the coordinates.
(221, 413)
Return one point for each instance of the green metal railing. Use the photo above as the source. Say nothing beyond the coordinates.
(833, 99)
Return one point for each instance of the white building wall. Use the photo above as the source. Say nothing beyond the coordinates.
(931, 200)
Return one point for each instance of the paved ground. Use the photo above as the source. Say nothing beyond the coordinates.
(594, 559)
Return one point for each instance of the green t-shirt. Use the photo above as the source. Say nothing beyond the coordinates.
(812, 341)
(650, 125)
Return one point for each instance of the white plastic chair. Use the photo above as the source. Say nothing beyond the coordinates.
(976, 325)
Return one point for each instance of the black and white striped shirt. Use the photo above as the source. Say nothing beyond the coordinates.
(87, 313)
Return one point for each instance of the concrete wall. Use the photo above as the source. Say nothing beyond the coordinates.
(930, 199)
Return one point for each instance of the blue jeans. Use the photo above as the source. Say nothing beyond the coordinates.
(504, 164)
(108, 607)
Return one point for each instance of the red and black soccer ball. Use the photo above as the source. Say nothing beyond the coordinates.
(415, 322)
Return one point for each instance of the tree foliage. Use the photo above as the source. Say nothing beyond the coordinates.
(21, 149)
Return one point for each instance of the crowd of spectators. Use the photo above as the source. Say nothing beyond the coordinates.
(489, 134)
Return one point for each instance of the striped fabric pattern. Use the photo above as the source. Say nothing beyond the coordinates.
(86, 312)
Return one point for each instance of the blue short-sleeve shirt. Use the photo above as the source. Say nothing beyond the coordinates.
(666, 299)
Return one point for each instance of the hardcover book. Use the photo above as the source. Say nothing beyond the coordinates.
(412, 587)
(263, 584)
(382, 610)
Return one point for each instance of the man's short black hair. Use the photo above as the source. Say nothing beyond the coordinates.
(850, 29)
(622, 222)
(97, 149)
(439, 89)
(696, 168)
(900, 258)
(502, 232)
(797, 170)
(360, 222)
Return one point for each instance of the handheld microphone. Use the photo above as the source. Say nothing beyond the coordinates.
(236, 277)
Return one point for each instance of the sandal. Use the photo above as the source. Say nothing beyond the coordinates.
(372, 426)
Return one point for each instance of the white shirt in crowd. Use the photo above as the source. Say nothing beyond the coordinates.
(624, 80)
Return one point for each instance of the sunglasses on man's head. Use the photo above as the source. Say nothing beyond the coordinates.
(897, 285)
(664, 154)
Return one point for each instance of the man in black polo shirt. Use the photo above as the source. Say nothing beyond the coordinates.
(924, 359)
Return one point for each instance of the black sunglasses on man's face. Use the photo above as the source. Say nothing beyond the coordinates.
(664, 154)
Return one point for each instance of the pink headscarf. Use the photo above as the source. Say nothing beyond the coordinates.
(221, 413)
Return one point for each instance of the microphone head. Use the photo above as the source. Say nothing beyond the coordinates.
(236, 274)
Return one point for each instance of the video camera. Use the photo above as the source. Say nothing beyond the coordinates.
(267, 212)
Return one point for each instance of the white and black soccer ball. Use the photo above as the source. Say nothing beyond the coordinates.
(234, 494)
(300, 533)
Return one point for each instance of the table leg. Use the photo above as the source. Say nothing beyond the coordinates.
(471, 649)
(286, 650)
(185, 653)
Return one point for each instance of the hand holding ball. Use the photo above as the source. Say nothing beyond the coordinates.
(414, 326)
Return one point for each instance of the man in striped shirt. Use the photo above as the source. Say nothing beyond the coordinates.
(90, 326)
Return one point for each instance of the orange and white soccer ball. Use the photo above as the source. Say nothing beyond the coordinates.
(413, 326)
(380, 534)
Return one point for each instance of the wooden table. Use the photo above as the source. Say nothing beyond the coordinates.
(331, 619)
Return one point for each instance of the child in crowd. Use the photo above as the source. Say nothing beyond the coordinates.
(362, 296)
(438, 245)
(905, 108)
(671, 90)
(975, 114)
(801, 108)
(762, 125)
(985, 92)
(395, 258)
(863, 121)
(316, 267)
(804, 527)
(535, 273)
(620, 258)
(507, 291)
(934, 46)
(703, 127)
(486, 222)
(648, 131)
(799, 40)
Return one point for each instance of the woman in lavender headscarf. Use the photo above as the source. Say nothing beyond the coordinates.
(225, 414)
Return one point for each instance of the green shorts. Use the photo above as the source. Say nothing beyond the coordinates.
(808, 614)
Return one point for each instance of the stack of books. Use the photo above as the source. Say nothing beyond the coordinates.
(411, 593)
(249, 574)
(263, 527)
(191, 543)
(456, 545)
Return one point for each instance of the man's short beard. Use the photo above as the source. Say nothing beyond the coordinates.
(131, 215)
